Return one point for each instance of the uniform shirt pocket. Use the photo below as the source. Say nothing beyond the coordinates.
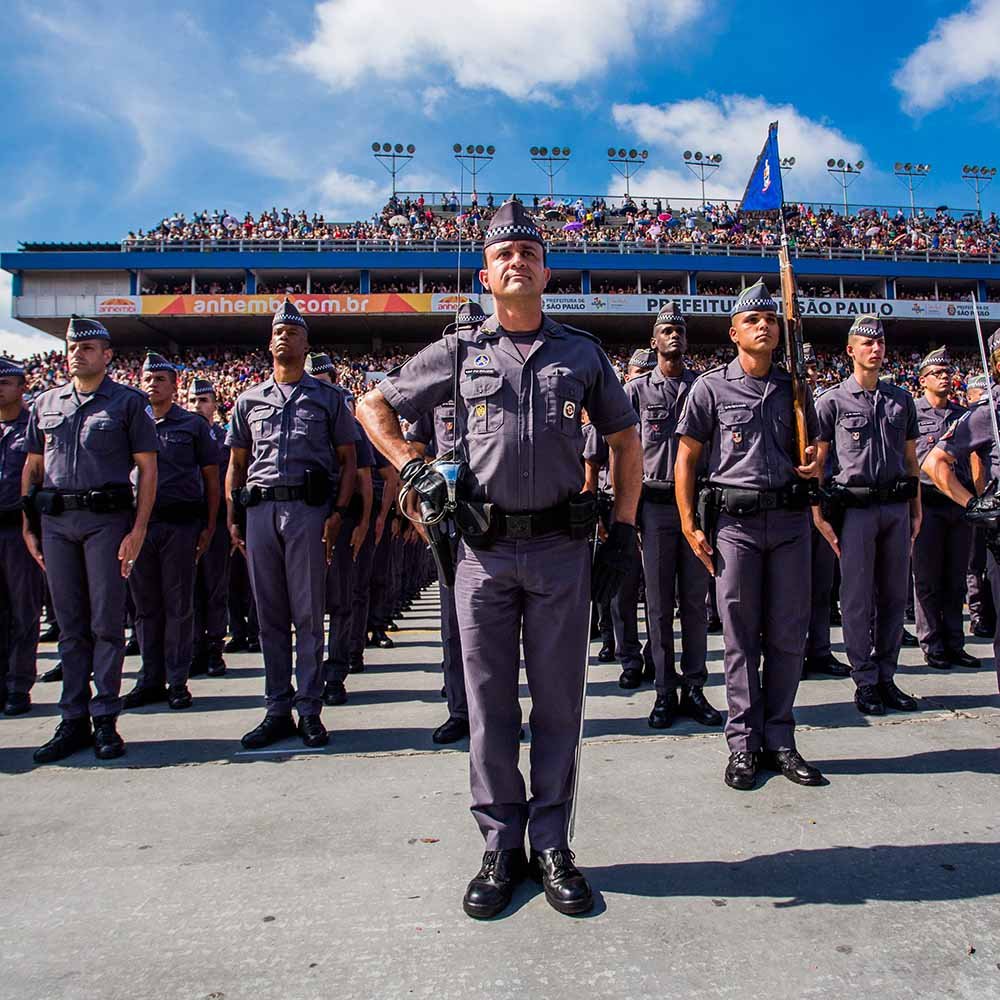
(484, 403)
(310, 421)
(100, 434)
(55, 428)
(265, 423)
(853, 432)
(656, 424)
(737, 427)
(178, 445)
(563, 398)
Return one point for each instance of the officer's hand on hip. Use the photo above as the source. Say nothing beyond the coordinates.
(824, 527)
(128, 551)
(237, 540)
(34, 547)
(699, 545)
(331, 528)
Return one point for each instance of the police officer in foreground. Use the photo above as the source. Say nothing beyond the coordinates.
(873, 426)
(671, 568)
(21, 581)
(941, 550)
(982, 614)
(181, 528)
(84, 437)
(755, 526)
(972, 435)
(211, 586)
(523, 568)
(287, 438)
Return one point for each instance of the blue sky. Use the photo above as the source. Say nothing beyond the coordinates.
(117, 114)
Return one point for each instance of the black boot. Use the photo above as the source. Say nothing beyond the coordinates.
(452, 731)
(53, 675)
(312, 731)
(145, 694)
(910, 641)
(107, 743)
(70, 735)
(271, 730)
(178, 696)
(17, 703)
(237, 644)
(334, 693)
(892, 697)
(380, 639)
(199, 663)
(714, 625)
(132, 646)
(664, 711)
(566, 888)
(791, 764)
(492, 888)
(695, 705)
(50, 634)
(828, 664)
(607, 652)
(356, 663)
(741, 771)
(868, 700)
(631, 678)
(962, 659)
(215, 665)
(253, 645)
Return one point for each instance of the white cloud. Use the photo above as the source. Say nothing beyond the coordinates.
(340, 195)
(734, 125)
(17, 339)
(960, 52)
(432, 98)
(526, 49)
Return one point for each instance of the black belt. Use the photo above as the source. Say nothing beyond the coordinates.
(533, 523)
(899, 491)
(11, 518)
(738, 502)
(107, 500)
(253, 495)
(662, 494)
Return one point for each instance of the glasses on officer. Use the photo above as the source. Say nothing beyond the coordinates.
(938, 373)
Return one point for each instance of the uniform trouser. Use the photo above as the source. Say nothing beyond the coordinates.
(534, 592)
(762, 585)
(88, 595)
(824, 568)
(712, 599)
(242, 607)
(287, 562)
(379, 608)
(451, 642)
(977, 582)
(673, 570)
(340, 581)
(940, 559)
(361, 597)
(993, 574)
(211, 590)
(162, 586)
(623, 612)
(874, 559)
(21, 591)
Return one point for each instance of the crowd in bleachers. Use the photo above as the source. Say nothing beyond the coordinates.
(646, 224)
(233, 370)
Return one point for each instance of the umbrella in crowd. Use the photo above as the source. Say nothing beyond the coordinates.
(398, 220)
(573, 227)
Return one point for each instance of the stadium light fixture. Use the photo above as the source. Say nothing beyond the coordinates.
(394, 157)
(702, 165)
(978, 178)
(550, 163)
(628, 162)
(844, 173)
(475, 158)
(911, 175)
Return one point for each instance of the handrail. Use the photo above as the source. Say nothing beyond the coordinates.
(622, 248)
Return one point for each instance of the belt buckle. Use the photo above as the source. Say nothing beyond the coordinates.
(519, 526)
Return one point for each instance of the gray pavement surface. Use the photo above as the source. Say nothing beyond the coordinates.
(191, 870)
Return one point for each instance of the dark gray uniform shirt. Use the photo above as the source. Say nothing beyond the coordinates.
(869, 431)
(13, 454)
(290, 429)
(520, 416)
(973, 432)
(435, 429)
(659, 401)
(746, 422)
(88, 441)
(186, 445)
(933, 422)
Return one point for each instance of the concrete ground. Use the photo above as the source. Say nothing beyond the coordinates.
(191, 870)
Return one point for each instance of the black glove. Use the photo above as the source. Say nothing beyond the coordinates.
(614, 560)
(31, 511)
(984, 508)
(427, 483)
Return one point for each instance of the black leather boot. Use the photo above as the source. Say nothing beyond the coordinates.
(492, 888)
(70, 735)
(566, 888)
(107, 743)
(664, 711)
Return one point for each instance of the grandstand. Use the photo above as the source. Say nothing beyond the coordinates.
(214, 279)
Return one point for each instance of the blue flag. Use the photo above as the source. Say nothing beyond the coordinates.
(764, 193)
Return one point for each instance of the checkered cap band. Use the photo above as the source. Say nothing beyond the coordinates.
(976, 382)
(938, 357)
(201, 387)
(670, 316)
(319, 364)
(81, 328)
(9, 367)
(157, 363)
(642, 359)
(287, 313)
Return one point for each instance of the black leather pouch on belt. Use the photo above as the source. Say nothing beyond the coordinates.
(582, 515)
(476, 523)
(239, 499)
(316, 487)
(49, 502)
